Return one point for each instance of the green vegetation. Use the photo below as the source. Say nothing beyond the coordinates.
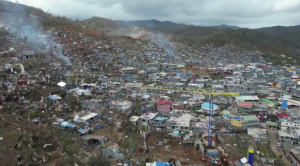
(68, 141)
(133, 141)
(34, 113)
(265, 151)
(243, 150)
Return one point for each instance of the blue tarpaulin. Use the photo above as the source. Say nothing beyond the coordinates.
(83, 131)
(54, 97)
(63, 124)
(284, 103)
(161, 118)
(70, 125)
(207, 105)
(67, 124)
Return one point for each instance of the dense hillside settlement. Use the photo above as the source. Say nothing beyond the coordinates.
(71, 95)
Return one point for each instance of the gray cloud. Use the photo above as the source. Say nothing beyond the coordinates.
(244, 13)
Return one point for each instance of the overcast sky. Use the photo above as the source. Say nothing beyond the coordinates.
(243, 13)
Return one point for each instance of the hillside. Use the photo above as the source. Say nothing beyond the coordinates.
(18, 15)
(223, 26)
(291, 33)
(101, 24)
(272, 41)
(150, 23)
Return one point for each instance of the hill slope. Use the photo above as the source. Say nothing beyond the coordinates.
(272, 41)
(18, 15)
(291, 33)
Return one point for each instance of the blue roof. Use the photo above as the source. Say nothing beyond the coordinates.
(227, 116)
(162, 163)
(161, 118)
(70, 125)
(208, 105)
(236, 118)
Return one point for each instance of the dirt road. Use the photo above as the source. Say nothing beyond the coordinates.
(273, 142)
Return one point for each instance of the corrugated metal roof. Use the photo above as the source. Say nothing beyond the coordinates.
(247, 105)
(249, 118)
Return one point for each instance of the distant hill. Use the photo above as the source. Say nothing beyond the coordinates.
(223, 26)
(291, 33)
(102, 24)
(150, 23)
(272, 41)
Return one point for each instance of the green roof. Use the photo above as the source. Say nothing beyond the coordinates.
(270, 102)
(249, 118)
(270, 123)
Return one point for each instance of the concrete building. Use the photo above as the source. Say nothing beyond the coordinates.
(181, 123)
(236, 122)
(164, 106)
(250, 121)
(245, 108)
(289, 137)
(121, 106)
(289, 125)
(127, 70)
(113, 93)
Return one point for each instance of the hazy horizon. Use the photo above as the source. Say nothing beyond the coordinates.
(241, 13)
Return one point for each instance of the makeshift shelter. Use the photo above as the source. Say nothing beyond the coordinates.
(88, 118)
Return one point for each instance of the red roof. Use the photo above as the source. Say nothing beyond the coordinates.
(282, 114)
(24, 47)
(247, 105)
(163, 102)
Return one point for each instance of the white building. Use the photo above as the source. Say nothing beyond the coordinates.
(120, 106)
(290, 126)
(181, 123)
(4, 26)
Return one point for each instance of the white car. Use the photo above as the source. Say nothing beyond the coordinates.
(279, 144)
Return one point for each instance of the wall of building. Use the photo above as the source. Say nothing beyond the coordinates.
(164, 108)
(250, 124)
(261, 116)
(296, 162)
(236, 123)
